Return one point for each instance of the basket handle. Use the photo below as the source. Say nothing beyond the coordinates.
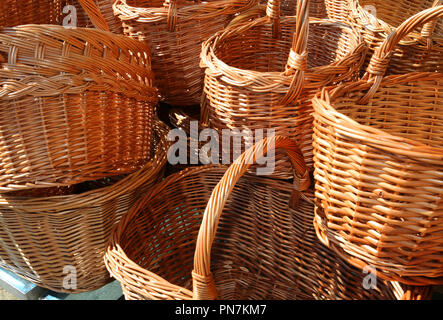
(203, 281)
(380, 59)
(94, 14)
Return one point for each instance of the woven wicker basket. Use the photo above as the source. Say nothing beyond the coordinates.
(331, 9)
(175, 30)
(378, 148)
(45, 233)
(260, 248)
(248, 88)
(18, 12)
(75, 105)
(419, 51)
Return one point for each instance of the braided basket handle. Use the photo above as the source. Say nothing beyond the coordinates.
(94, 14)
(203, 281)
(380, 59)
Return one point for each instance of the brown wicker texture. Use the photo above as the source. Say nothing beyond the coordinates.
(75, 105)
(257, 77)
(378, 148)
(18, 12)
(175, 31)
(41, 234)
(419, 51)
(332, 9)
(260, 248)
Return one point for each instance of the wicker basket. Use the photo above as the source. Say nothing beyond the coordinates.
(378, 148)
(18, 12)
(376, 19)
(260, 248)
(175, 31)
(46, 233)
(331, 9)
(246, 84)
(75, 105)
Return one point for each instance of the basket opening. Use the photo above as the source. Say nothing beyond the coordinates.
(257, 50)
(418, 116)
(394, 13)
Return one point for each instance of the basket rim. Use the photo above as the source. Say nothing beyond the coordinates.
(202, 10)
(103, 194)
(360, 17)
(350, 128)
(278, 80)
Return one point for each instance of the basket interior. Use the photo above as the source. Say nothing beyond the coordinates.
(256, 49)
(394, 13)
(412, 110)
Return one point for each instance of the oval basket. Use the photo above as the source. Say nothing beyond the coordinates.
(75, 105)
(262, 74)
(254, 240)
(175, 30)
(378, 147)
(46, 232)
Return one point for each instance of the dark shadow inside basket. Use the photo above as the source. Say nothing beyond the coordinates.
(256, 49)
(412, 110)
(395, 13)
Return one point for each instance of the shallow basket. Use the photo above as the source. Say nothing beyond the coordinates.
(264, 246)
(75, 105)
(84, 13)
(56, 237)
(377, 19)
(378, 147)
(175, 30)
(262, 74)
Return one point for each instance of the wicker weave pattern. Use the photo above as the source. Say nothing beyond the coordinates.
(331, 9)
(75, 105)
(417, 52)
(19, 12)
(40, 236)
(175, 34)
(246, 82)
(259, 248)
(378, 169)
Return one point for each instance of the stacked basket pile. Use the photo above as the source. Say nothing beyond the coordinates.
(350, 91)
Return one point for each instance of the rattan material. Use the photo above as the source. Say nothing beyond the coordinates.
(332, 9)
(419, 51)
(175, 33)
(256, 79)
(75, 105)
(43, 237)
(18, 12)
(260, 248)
(378, 148)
